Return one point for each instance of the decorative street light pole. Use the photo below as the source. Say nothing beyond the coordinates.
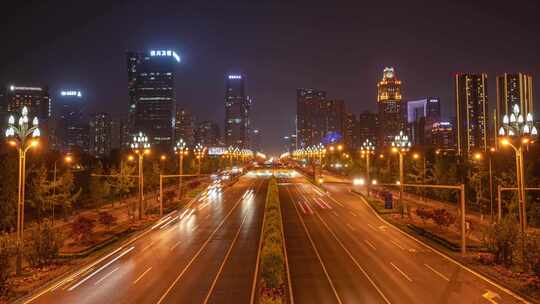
(366, 150)
(199, 152)
(22, 136)
(401, 145)
(180, 149)
(517, 133)
(140, 146)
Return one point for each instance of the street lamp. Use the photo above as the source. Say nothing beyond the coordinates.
(401, 145)
(22, 136)
(140, 146)
(199, 152)
(180, 149)
(67, 159)
(367, 149)
(230, 153)
(517, 133)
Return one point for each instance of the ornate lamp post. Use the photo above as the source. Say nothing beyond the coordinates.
(181, 149)
(22, 136)
(140, 146)
(401, 145)
(366, 150)
(230, 153)
(518, 133)
(199, 152)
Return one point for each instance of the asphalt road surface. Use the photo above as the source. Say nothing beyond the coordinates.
(204, 254)
(340, 251)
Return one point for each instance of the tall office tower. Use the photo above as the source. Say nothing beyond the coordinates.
(442, 136)
(207, 134)
(120, 134)
(256, 140)
(514, 89)
(471, 112)
(289, 143)
(330, 121)
(237, 108)
(367, 127)
(70, 127)
(421, 115)
(350, 136)
(307, 109)
(36, 99)
(391, 108)
(185, 127)
(100, 134)
(152, 97)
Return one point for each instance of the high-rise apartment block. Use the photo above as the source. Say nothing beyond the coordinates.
(471, 113)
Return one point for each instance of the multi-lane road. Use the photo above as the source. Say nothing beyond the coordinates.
(340, 251)
(202, 254)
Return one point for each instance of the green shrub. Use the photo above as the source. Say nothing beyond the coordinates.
(501, 240)
(272, 274)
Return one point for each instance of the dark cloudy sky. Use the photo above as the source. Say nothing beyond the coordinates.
(335, 46)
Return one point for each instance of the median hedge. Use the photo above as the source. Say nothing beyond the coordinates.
(272, 275)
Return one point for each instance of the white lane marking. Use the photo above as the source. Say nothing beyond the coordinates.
(397, 244)
(370, 245)
(401, 271)
(335, 213)
(302, 207)
(101, 268)
(147, 246)
(353, 214)
(175, 245)
(371, 226)
(364, 272)
(491, 296)
(437, 273)
(486, 279)
(351, 227)
(325, 203)
(308, 207)
(105, 276)
(142, 275)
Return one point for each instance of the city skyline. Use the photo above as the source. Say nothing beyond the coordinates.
(201, 80)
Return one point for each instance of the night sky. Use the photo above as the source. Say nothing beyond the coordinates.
(279, 46)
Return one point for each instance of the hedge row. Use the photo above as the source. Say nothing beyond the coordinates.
(272, 281)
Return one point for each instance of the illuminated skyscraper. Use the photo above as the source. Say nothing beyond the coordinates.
(391, 108)
(471, 112)
(237, 108)
(308, 104)
(152, 97)
(71, 129)
(513, 89)
(185, 127)
(442, 136)
(100, 134)
(207, 134)
(421, 115)
(366, 127)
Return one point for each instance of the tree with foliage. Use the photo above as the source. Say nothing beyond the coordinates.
(8, 192)
(501, 240)
(67, 195)
(98, 188)
(122, 182)
(42, 196)
(43, 244)
(82, 228)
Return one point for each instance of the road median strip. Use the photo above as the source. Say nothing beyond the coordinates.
(273, 279)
